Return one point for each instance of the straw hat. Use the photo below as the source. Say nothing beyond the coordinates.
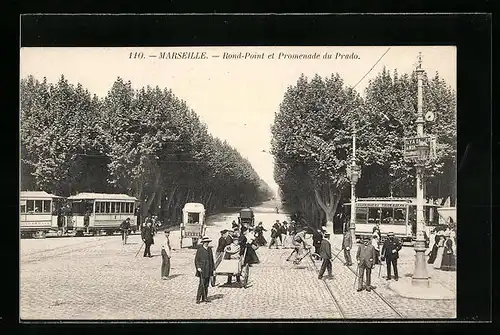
(205, 239)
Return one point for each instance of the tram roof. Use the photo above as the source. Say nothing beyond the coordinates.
(37, 195)
(194, 206)
(101, 196)
(393, 200)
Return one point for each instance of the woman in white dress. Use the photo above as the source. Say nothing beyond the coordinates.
(439, 256)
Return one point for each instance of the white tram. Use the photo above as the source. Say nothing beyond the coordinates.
(40, 213)
(96, 212)
(398, 215)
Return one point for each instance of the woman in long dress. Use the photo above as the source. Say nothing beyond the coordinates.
(434, 251)
(259, 235)
(246, 242)
(439, 254)
(448, 263)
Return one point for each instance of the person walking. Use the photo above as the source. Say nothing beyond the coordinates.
(125, 227)
(365, 257)
(280, 232)
(317, 240)
(346, 246)
(376, 246)
(274, 236)
(433, 254)
(325, 252)
(390, 253)
(166, 253)
(147, 237)
(440, 251)
(259, 235)
(204, 263)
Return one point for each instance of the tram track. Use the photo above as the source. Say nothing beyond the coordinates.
(342, 312)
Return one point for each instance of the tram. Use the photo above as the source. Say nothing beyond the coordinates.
(397, 215)
(40, 213)
(96, 212)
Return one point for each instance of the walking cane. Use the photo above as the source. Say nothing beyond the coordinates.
(356, 279)
(337, 255)
(139, 249)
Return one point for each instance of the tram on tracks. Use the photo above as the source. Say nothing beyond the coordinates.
(93, 213)
(397, 215)
(40, 212)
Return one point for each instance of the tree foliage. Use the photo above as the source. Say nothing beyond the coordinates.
(145, 142)
(312, 140)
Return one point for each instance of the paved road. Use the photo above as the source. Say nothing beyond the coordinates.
(99, 278)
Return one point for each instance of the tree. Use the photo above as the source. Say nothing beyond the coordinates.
(311, 141)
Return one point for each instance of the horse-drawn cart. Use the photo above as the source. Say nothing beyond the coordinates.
(230, 262)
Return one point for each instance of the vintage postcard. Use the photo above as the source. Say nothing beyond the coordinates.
(214, 183)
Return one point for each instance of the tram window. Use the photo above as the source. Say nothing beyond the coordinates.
(399, 215)
(374, 215)
(46, 206)
(23, 206)
(127, 207)
(361, 215)
(387, 215)
(98, 207)
(130, 208)
(108, 205)
(30, 206)
(38, 206)
(103, 207)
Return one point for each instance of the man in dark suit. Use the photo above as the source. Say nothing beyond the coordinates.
(147, 238)
(366, 259)
(221, 245)
(204, 263)
(390, 252)
(325, 251)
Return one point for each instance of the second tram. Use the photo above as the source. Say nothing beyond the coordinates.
(96, 212)
(398, 215)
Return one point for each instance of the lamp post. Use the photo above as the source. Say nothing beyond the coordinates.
(420, 274)
(353, 173)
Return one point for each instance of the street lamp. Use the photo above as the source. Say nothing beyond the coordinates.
(353, 174)
(420, 274)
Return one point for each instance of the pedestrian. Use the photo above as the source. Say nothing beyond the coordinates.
(439, 255)
(234, 225)
(274, 236)
(147, 237)
(390, 253)
(259, 235)
(125, 227)
(166, 253)
(346, 246)
(282, 234)
(246, 249)
(325, 252)
(138, 214)
(232, 248)
(365, 257)
(204, 263)
(317, 238)
(448, 263)
(221, 246)
(433, 254)
(376, 246)
(279, 230)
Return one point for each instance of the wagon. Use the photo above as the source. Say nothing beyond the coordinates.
(232, 266)
(246, 218)
(193, 222)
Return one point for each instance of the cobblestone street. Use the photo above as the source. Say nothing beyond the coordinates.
(99, 278)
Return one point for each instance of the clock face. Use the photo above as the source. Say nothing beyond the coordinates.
(429, 116)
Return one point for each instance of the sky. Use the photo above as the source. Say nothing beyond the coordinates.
(236, 97)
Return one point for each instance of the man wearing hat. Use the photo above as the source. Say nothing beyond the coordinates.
(325, 251)
(365, 257)
(390, 252)
(204, 263)
(347, 245)
(166, 253)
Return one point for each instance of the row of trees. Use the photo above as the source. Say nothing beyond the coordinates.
(146, 143)
(312, 141)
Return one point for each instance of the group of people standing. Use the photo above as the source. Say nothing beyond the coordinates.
(442, 255)
(283, 232)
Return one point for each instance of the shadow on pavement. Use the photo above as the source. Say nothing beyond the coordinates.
(216, 296)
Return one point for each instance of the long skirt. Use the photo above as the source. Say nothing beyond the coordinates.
(260, 240)
(251, 256)
(433, 254)
(439, 258)
(448, 263)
